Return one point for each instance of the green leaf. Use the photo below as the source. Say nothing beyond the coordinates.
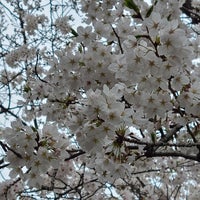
(131, 4)
(169, 17)
(80, 49)
(140, 36)
(74, 32)
(27, 88)
(34, 129)
(157, 40)
(153, 137)
(149, 12)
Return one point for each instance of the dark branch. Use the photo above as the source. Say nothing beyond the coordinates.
(191, 12)
(174, 154)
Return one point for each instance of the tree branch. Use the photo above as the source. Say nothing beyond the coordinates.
(173, 154)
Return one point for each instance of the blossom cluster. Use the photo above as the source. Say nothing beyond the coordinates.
(33, 21)
(123, 91)
(9, 189)
(23, 53)
(34, 153)
(62, 24)
(136, 79)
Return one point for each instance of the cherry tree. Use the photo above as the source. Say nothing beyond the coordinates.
(108, 108)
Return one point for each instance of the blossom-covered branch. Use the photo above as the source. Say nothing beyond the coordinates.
(103, 103)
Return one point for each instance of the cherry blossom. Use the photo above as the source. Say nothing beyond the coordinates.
(107, 110)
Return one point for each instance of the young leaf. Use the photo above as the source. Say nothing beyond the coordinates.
(74, 32)
(131, 4)
(153, 137)
(149, 12)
